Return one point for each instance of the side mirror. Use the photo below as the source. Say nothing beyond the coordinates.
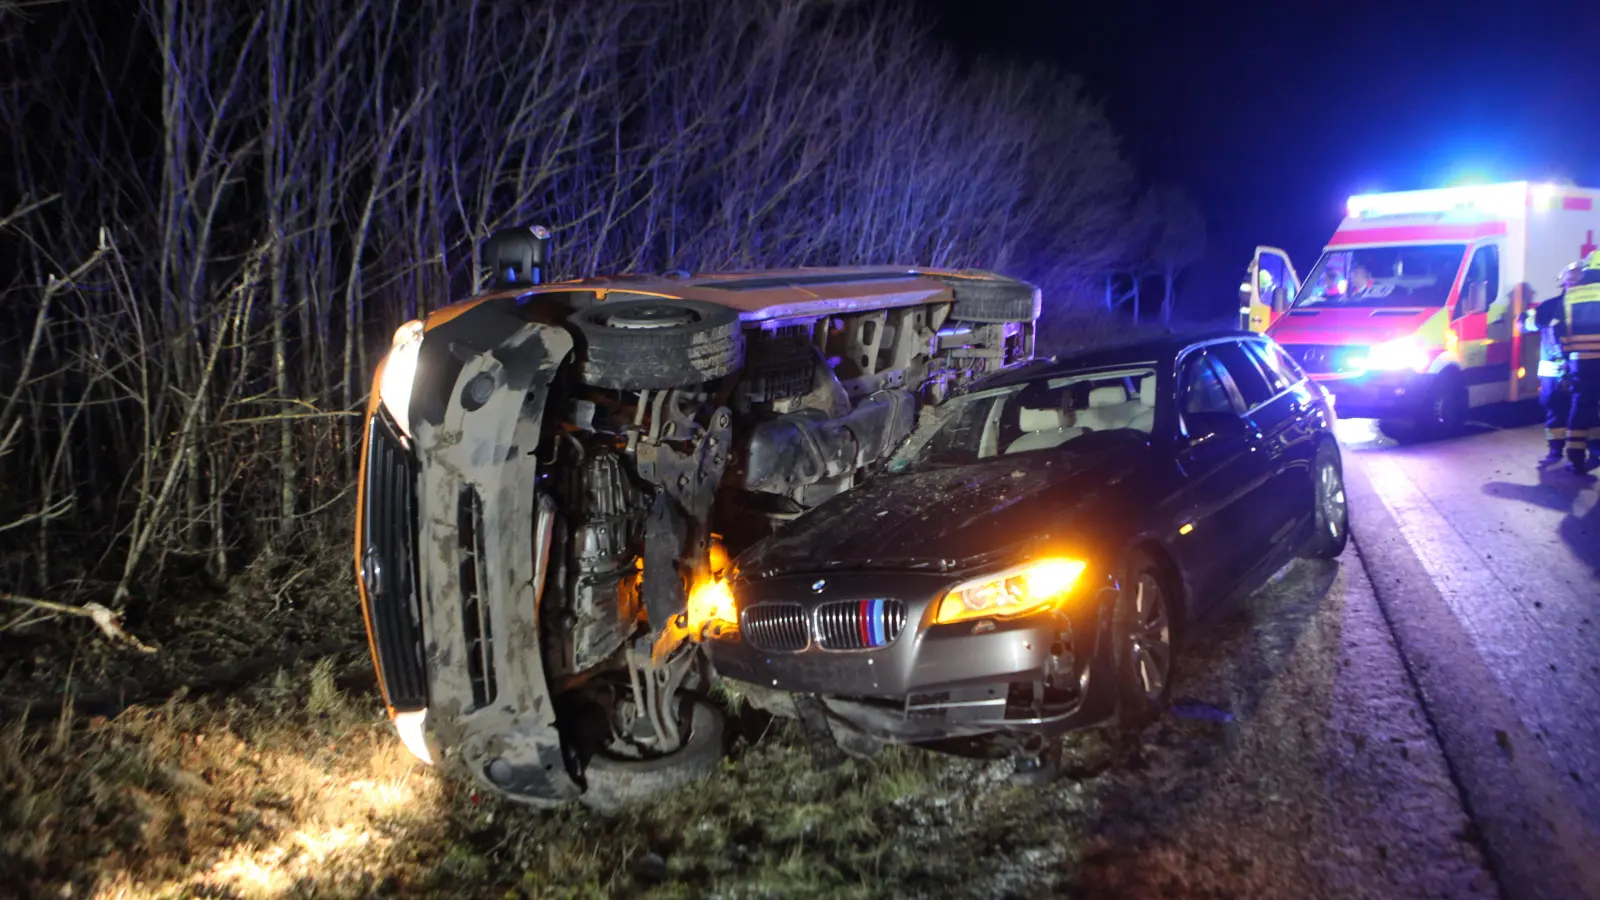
(1212, 427)
(1280, 300)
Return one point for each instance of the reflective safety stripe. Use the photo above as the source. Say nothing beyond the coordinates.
(1555, 434)
(1578, 444)
(1551, 368)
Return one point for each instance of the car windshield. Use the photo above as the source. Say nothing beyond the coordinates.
(1045, 414)
(1383, 277)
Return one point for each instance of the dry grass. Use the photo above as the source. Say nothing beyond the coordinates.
(251, 796)
(292, 788)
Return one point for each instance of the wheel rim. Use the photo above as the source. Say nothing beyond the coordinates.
(653, 316)
(1149, 637)
(1330, 494)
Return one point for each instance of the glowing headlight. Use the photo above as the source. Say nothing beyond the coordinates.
(399, 371)
(711, 603)
(1025, 589)
(1392, 356)
(410, 727)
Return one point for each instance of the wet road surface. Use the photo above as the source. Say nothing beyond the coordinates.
(1488, 571)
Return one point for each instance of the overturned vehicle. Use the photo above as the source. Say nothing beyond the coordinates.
(555, 474)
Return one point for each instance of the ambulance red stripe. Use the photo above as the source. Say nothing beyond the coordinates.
(1401, 233)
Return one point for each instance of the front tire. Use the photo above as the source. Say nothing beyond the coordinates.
(615, 782)
(1142, 639)
(1444, 412)
(1330, 505)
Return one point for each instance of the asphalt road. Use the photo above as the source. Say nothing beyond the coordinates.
(1329, 781)
(1487, 571)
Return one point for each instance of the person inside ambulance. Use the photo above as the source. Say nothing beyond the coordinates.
(1360, 280)
(1547, 318)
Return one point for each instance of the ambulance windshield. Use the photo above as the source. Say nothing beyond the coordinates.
(1416, 276)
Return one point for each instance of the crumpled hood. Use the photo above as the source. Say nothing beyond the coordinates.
(941, 518)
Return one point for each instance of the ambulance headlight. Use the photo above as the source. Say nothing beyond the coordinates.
(1394, 356)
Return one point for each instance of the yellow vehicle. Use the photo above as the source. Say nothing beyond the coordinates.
(1411, 312)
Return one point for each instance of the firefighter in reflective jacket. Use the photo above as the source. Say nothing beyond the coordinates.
(1582, 346)
(1548, 318)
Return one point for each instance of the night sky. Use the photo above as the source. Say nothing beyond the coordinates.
(1272, 113)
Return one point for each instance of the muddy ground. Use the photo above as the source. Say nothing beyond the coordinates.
(1326, 783)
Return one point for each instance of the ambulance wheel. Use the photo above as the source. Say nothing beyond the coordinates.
(1444, 411)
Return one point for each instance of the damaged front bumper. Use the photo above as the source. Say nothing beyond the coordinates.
(880, 666)
(453, 572)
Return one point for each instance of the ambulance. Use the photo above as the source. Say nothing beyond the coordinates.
(1411, 314)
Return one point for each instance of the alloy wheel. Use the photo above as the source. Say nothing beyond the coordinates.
(1149, 636)
(1330, 494)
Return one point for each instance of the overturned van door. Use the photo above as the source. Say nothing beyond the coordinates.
(1269, 286)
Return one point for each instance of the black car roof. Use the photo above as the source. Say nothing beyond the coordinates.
(1144, 350)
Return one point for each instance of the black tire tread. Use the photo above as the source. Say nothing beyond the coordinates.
(614, 784)
(657, 358)
(990, 298)
(1426, 427)
(1322, 545)
(1135, 713)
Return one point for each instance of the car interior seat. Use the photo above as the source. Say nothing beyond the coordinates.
(1144, 418)
(1042, 429)
(1108, 409)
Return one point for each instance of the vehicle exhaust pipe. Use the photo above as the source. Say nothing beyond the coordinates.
(517, 257)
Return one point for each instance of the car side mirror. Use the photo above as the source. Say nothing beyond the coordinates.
(1212, 427)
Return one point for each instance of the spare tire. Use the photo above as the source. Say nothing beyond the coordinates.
(615, 782)
(989, 298)
(638, 345)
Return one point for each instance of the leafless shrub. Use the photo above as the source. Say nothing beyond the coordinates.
(229, 206)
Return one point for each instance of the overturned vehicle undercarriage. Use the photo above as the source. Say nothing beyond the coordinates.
(554, 476)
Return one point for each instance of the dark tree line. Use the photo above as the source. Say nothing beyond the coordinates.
(213, 214)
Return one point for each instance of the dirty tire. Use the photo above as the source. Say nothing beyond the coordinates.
(985, 301)
(637, 345)
(1330, 506)
(1444, 414)
(1142, 631)
(614, 783)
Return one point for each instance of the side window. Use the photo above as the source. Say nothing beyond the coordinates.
(1272, 278)
(1482, 284)
(1247, 375)
(1280, 371)
(1201, 389)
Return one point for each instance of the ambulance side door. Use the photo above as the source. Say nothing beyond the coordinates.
(1482, 323)
(1269, 288)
